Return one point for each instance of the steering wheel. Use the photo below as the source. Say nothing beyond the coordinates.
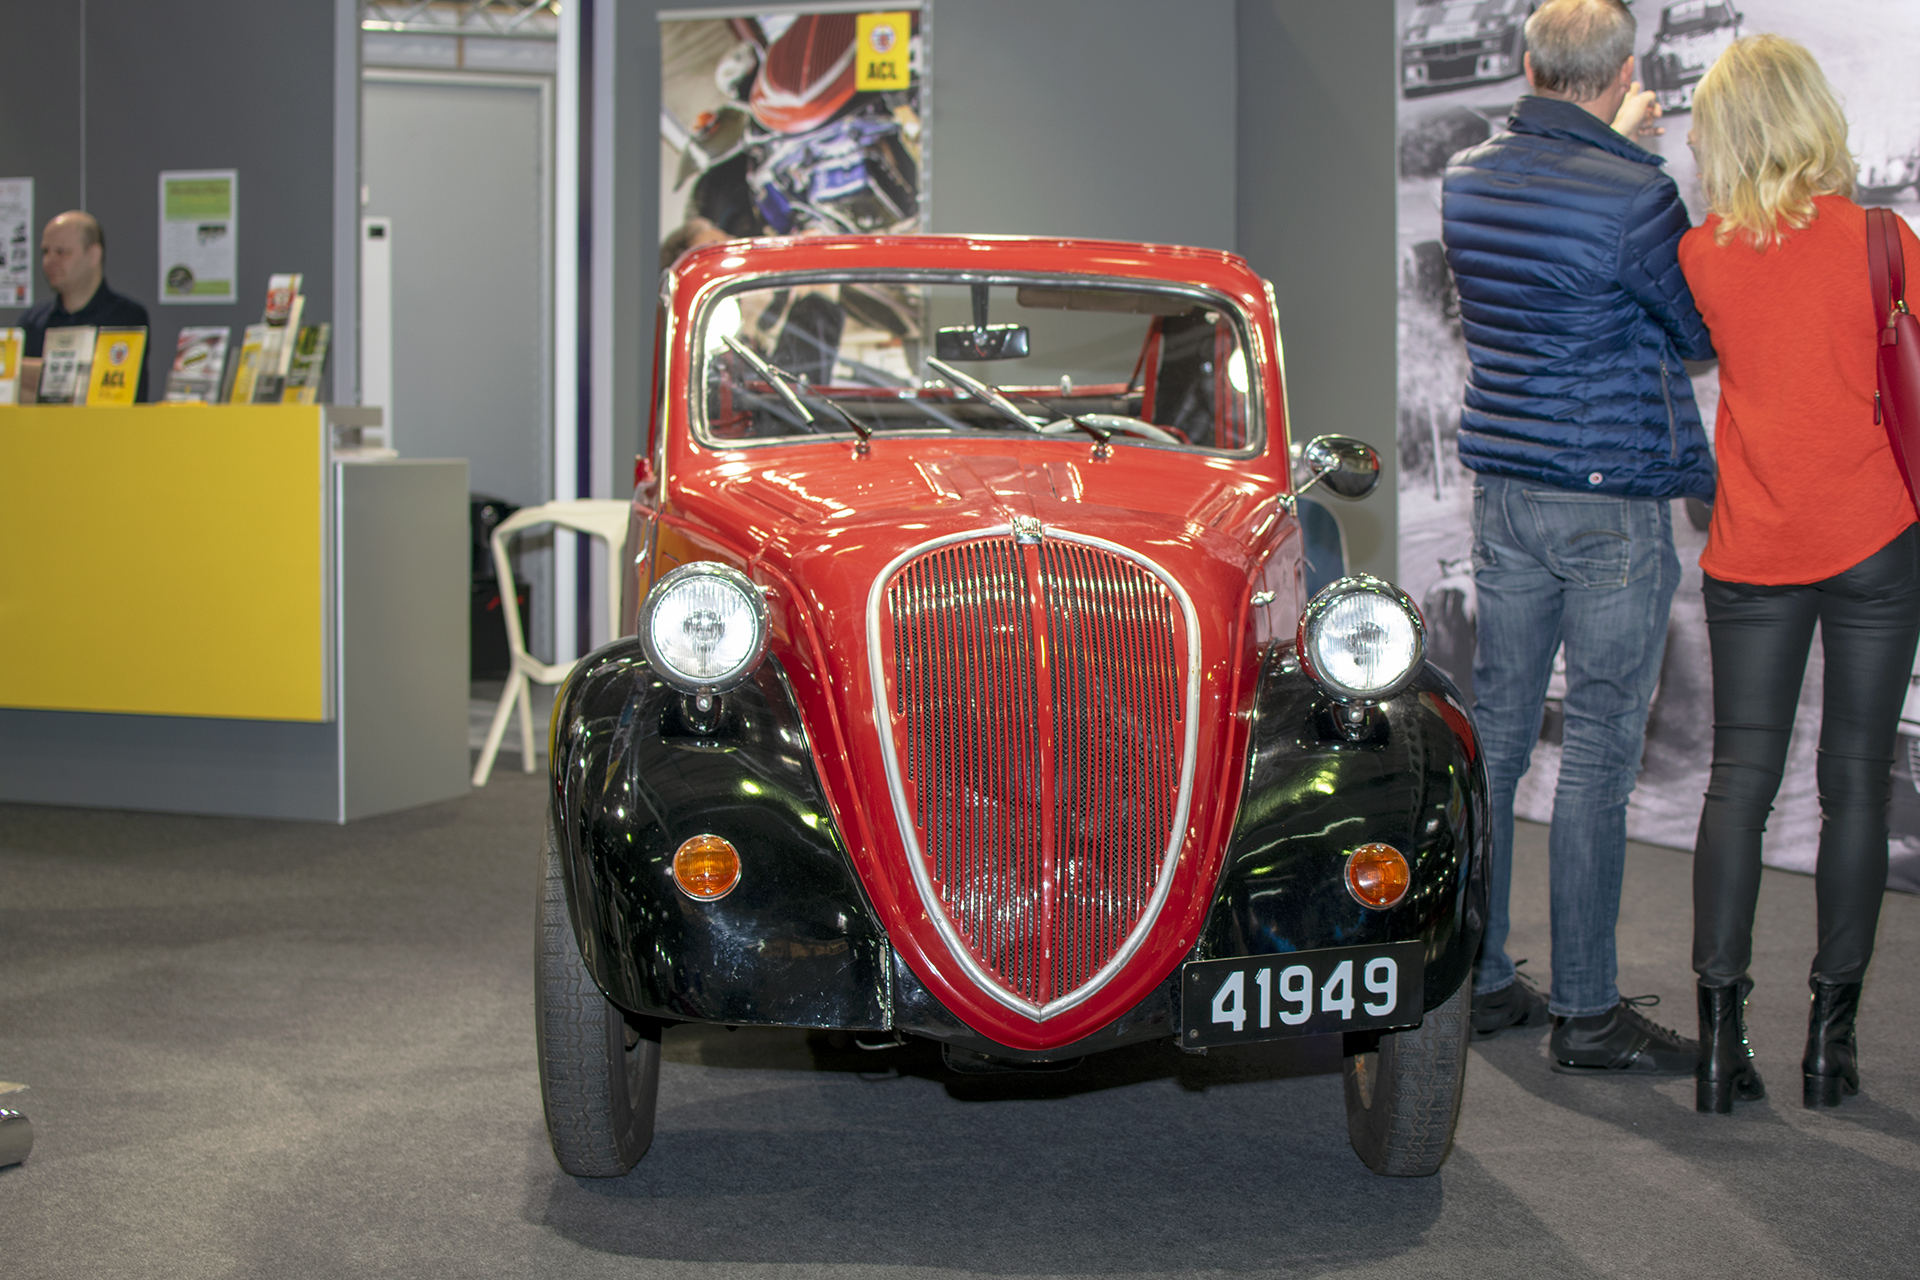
(1118, 424)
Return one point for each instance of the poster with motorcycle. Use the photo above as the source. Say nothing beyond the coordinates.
(1460, 73)
(791, 122)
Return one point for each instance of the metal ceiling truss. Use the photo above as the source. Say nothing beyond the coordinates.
(498, 19)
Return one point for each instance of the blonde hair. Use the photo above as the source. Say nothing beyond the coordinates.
(1771, 137)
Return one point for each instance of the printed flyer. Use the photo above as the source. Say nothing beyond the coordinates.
(17, 242)
(199, 226)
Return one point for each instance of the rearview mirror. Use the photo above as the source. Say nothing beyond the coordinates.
(1349, 467)
(987, 342)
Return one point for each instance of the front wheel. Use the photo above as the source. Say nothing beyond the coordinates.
(599, 1069)
(1403, 1098)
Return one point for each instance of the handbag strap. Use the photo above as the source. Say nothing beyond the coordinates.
(1886, 264)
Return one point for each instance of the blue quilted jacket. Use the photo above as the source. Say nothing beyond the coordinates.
(1563, 237)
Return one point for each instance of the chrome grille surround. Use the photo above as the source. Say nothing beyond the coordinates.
(1026, 755)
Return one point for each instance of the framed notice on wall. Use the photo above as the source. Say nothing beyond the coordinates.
(199, 230)
(16, 242)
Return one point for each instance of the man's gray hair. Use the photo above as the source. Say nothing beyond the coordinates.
(1578, 46)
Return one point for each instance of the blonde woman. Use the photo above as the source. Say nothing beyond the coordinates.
(1812, 523)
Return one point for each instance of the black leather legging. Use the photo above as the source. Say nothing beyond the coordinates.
(1869, 620)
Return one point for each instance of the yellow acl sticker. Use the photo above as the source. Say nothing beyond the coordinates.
(880, 50)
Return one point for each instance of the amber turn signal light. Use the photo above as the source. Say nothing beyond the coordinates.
(1378, 875)
(706, 867)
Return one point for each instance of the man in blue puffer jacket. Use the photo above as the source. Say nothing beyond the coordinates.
(1581, 424)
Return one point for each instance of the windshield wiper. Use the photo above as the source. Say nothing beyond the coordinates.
(999, 400)
(773, 379)
(1101, 435)
(860, 428)
(779, 379)
(983, 391)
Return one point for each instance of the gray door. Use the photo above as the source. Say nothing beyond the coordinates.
(458, 163)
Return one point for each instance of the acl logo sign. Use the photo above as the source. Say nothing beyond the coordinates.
(881, 51)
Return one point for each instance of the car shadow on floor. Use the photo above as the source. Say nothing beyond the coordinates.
(791, 1148)
(781, 1048)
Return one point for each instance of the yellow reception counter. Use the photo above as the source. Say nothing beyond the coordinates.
(203, 609)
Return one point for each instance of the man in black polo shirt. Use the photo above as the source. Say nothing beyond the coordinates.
(72, 256)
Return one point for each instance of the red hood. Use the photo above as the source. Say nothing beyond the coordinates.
(823, 532)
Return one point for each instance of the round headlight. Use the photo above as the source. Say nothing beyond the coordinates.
(1361, 639)
(703, 627)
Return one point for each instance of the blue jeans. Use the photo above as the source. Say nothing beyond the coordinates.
(1597, 573)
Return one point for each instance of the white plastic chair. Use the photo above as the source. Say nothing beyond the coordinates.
(602, 518)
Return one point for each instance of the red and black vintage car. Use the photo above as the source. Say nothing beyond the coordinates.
(972, 692)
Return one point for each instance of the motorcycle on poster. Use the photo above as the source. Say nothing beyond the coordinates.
(791, 124)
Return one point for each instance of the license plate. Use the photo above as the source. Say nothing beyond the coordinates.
(1302, 993)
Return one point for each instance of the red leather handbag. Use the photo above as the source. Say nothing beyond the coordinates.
(1897, 403)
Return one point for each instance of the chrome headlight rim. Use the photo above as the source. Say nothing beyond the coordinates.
(1318, 607)
(662, 587)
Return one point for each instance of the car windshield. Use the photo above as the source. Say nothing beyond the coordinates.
(1123, 362)
(1690, 19)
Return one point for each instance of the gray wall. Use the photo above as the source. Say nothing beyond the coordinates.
(1052, 117)
(40, 83)
(1316, 217)
(218, 84)
(1262, 126)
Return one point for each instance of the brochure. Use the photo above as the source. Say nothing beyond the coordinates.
(279, 354)
(281, 291)
(308, 363)
(117, 357)
(11, 341)
(199, 362)
(67, 361)
(246, 368)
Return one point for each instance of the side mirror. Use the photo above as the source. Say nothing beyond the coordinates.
(1349, 467)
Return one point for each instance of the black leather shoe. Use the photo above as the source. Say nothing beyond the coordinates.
(1517, 1004)
(1831, 1065)
(1726, 1068)
(1620, 1042)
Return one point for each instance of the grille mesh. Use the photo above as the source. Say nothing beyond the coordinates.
(794, 64)
(1043, 895)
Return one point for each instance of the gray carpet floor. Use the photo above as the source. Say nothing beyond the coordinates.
(272, 1049)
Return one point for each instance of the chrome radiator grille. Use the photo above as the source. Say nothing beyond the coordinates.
(1036, 710)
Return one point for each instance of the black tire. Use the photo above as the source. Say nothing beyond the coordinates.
(1403, 1099)
(599, 1067)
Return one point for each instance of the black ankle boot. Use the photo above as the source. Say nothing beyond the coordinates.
(1726, 1068)
(1830, 1067)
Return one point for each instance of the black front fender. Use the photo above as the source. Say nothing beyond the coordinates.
(795, 943)
(1410, 775)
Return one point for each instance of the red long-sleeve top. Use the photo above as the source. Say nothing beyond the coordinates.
(1808, 485)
